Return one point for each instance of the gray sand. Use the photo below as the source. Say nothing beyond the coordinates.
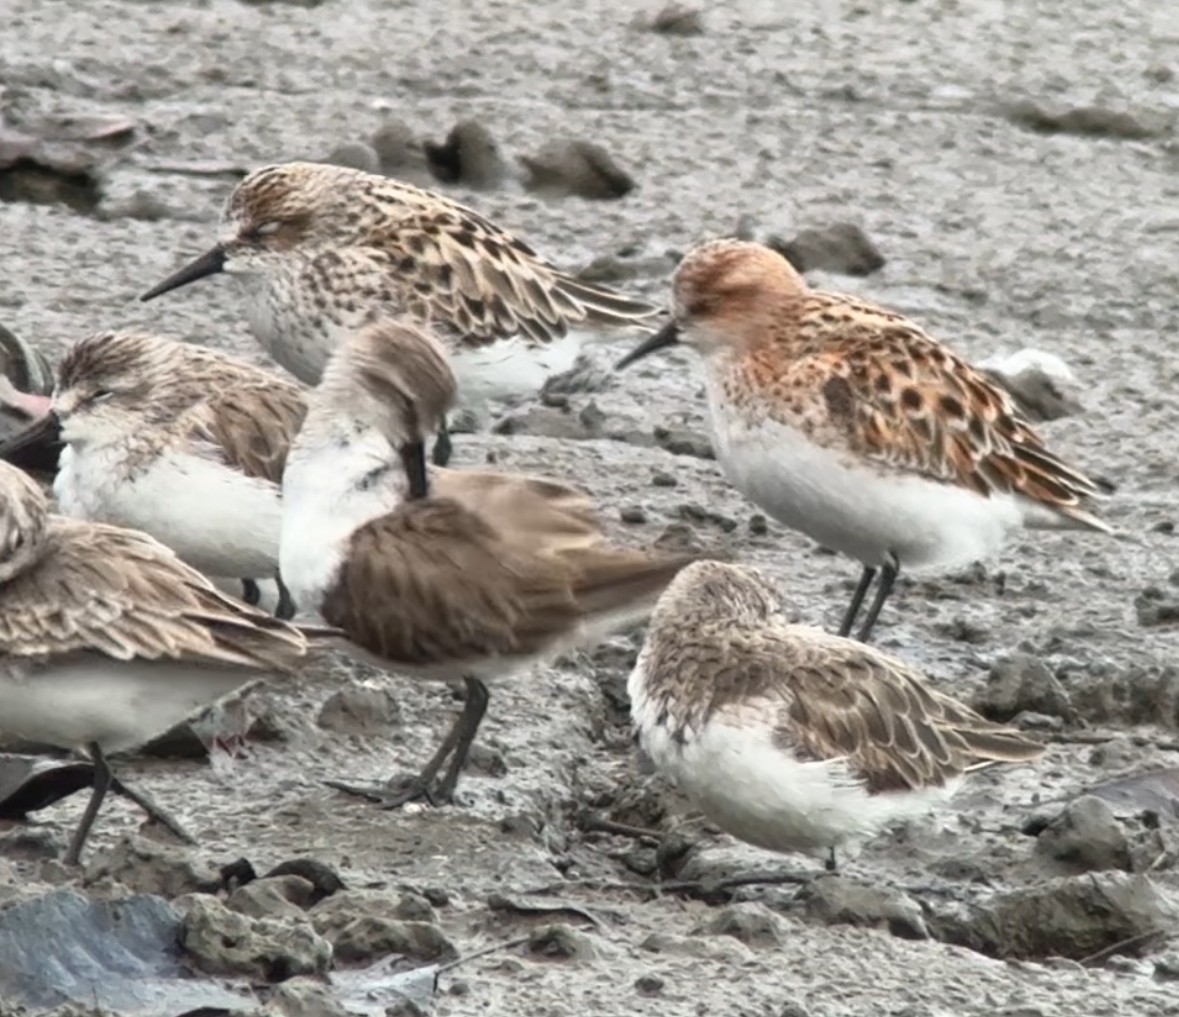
(788, 116)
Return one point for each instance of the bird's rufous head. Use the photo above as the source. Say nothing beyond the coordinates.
(723, 293)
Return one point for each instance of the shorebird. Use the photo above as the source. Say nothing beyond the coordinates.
(849, 423)
(26, 380)
(182, 442)
(321, 247)
(446, 574)
(107, 639)
(788, 737)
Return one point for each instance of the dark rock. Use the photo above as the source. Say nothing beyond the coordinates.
(280, 897)
(633, 515)
(650, 985)
(577, 167)
(837, 900)
(469, 155)
(324, 880)
(399, 151)
(561, 942)
(680, 441)
(359, 709)
(1088, 121)
(42, 176)
(841, 247)
(677, 19)
(32, 843)
(1074, 917)
(1166, 967)
(724, 949)
(661, 479)
(306, 997)
(622, 267)
(146, 866)
(368, 937)
(758, 525)
(1086, 836)
(691, 512)
(673, 852)
(1022, 682)
(331, 917)
(224, 942)
(679, 538)
(752, 924)
(583, 376)
(592, 418)
(1156, 607)
(545, 421)
(355, 155)
(140, 204)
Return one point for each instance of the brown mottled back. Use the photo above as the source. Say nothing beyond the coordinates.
(445, 264)
(719, 646)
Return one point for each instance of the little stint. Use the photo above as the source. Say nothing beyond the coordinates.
(850, 424)
(107, 639)
(446, 574)
(323, 247)
(790, 738)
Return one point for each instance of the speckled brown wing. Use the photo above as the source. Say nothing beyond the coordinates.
(897, 396)
(431, 583)
(456, 268)
(252, 426)
(835, 698)
(119, 592)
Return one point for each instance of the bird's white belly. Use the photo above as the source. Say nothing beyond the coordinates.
(860, 510)
(216, 519)
(86, 698)
(765, 796)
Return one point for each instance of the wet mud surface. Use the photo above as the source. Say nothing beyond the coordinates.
(1017, 171)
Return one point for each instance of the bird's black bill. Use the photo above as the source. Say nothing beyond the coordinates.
(37, 447)
(413, 458)
(666, 336)
(209, 263)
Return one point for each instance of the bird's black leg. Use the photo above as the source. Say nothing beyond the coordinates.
(442, 446)
(468, 723)
(103, 778)
(455, 747)
(154, 812)
(857, 601)
(250, 592)
(888, 577)
(830, 864)
(285, 608)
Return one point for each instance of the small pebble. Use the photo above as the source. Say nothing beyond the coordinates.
(633, 515)
(650, 985)
(661, 479)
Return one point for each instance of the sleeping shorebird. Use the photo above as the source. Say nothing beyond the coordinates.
(321, 247)
(182, 442)
(849, 423)
(787, 737)
(457, 574)
(107, 639)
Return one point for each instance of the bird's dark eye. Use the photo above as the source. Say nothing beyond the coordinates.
(256, 234)
(101, 395)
